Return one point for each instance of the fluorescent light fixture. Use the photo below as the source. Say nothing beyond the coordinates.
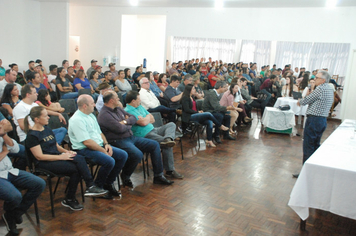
(219, 4)
(134, 2)
(331, 3)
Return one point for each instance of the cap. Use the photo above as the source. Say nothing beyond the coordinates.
(155, 73)
(104, 85)
(36, 64)
(111, 64)
(212, 70)
(97, 67)
(92, 61)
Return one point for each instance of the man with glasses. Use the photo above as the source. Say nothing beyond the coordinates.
(319, 101)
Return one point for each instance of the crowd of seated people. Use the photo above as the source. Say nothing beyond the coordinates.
(212, 93)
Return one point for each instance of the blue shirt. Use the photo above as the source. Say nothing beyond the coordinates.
(85, 84)
(2, 71)
(42, 86)
(138, 130)
(154, 88)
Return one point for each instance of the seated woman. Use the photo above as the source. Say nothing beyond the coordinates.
(64, 86)
(240, 102)
(44, 100)
(287, 90)
(190, 113)
(162, 82)
(50, 156)
(199, 94)
(80, 82)
(228, 100)
(94, 80)
(10, 98)
(128, 77)
(309, 89)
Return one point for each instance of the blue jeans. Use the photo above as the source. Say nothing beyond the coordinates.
(135, 146)
(206, 118)
(21, 161)
(15, 204)
(70, 95)
(171, 113)
(74, 169)
(60, 133)
(269, 96)
(314, 129)
(110, 165)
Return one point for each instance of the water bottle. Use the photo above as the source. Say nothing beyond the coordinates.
(144, 62)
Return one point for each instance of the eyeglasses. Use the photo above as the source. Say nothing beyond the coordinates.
(145, 82)
(318, 77)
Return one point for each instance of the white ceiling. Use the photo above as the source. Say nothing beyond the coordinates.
(209, 3)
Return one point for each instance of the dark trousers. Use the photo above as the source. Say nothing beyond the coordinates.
(74, 169)
(135, 146)
(15, 204)
(314, 128)
(223, 119)
(169, 112)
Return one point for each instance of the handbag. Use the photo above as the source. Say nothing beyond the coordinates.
(284, 108)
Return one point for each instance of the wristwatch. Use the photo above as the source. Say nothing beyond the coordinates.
(125, 122)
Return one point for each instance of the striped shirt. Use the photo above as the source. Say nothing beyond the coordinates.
(319, 101)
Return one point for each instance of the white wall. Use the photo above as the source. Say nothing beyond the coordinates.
(54, 32)
(20, 39)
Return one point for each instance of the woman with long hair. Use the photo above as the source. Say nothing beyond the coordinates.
(64, 86)
(44, 100)
(94, 80)
(162, 82)
(128, 77)
(228, 100)
(287, 90)
(81, 82)
(191, 113)
(304, 83)
(10, 97)
(48, 155)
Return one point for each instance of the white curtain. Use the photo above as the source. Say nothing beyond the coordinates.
(313, 56)
(330, 55)
(186, 48)
(258, 51)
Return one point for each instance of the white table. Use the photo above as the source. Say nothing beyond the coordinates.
(278, 120)
(298, 110)
(327, 179)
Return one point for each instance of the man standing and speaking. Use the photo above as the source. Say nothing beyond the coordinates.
(319, 101)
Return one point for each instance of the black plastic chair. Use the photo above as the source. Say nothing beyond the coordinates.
(84, 91)
(69, 105)
(50, 175)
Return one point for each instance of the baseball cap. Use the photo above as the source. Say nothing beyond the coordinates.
(155, 73)
(93, 61)
(97, 67)
(104, 85)
(36, 64)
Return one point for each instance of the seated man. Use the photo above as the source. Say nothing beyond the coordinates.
(172, 93)
(103, 88)
(144, 128)
(35, 80)
(187, 80)
(151, 103)
(116, 125)
(29, 96)
(267, 86)
(211, 104)
(15, 205)
(88, 140)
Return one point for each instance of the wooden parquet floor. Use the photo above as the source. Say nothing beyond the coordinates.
(241, 187)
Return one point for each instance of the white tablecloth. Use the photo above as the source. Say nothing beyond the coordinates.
(298, 110)
(327, 180)
(276, 119)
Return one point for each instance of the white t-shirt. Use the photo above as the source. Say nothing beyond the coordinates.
(20, 111)
(50, 78)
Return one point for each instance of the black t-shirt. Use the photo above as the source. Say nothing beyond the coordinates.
(45, 139)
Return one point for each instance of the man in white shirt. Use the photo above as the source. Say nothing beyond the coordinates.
(296, 72)
(151, 103)
(10, 78)
(29, 96)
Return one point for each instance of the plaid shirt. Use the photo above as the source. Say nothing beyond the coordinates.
(319, 101)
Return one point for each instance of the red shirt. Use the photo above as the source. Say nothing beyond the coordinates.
(204, 70)
(212, 82)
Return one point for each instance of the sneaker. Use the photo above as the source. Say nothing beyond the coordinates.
(167, 142)
(10, 224)
(112, 190)
(94, 191)
(174, 174)
(73, 204)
